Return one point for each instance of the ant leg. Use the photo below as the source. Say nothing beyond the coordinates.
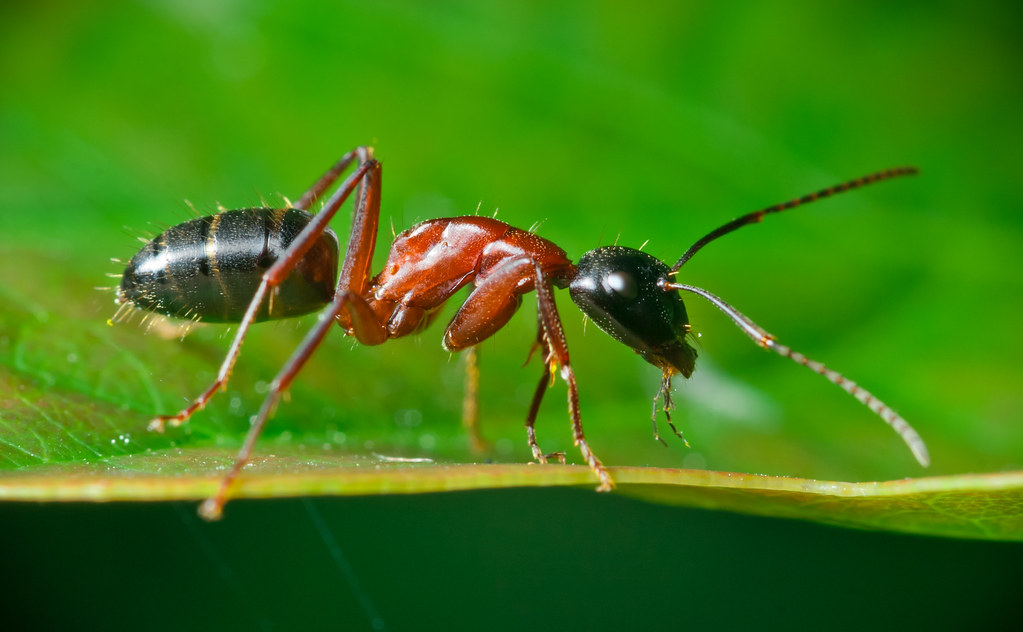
(488, 308)
(355, 271)
(366, 327)
(485, 310)
(767, 341)
(330, 177)
(348, 306)
(546, 379)
(470, 403)
(557, 346)
(271, 279)
(534, 408)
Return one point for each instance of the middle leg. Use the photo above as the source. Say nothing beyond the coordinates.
(470, 401)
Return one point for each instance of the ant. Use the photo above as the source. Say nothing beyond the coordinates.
(248, 265)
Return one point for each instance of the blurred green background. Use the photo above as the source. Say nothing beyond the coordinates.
(601, 120)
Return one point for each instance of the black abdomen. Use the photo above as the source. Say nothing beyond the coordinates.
(210, 267)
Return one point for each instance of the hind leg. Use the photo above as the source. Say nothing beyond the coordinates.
(368, 170)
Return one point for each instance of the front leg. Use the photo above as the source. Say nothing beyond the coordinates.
(546, 379)
(557, 346)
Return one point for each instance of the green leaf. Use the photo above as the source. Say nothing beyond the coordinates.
(61, 447)
(968, 506)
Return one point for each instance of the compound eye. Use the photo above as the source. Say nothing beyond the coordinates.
(621, 283)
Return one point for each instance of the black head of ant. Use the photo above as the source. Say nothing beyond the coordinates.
(619, 289)
(633, 297)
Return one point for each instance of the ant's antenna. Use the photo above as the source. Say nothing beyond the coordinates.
(767, 341)
(758, 216)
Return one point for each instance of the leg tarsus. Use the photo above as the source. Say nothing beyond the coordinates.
(560, 456)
